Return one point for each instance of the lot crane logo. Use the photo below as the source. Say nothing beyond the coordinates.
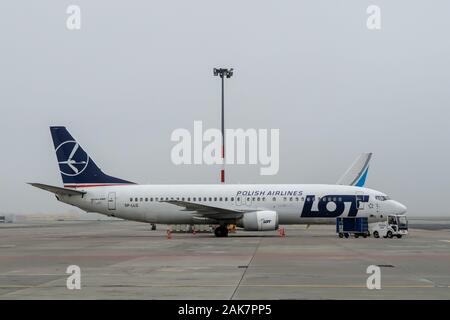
(72, 159)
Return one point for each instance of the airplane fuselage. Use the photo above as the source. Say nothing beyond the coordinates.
(253, 207)
(293, 203)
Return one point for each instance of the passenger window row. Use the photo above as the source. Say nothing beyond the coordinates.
(221, 199)
(238, 199)
(151, 199)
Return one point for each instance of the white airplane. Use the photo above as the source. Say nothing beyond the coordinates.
(253, 207)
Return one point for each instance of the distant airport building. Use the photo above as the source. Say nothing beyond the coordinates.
(6, 218)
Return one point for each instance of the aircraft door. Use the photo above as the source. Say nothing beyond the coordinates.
(360, 200)
(112, 201)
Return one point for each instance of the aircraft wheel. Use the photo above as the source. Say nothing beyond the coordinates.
(376, 234)
(221, 231)
(225, 231)
(218, 232)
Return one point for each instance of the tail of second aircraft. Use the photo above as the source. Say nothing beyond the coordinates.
(357, 173)
(76, 167)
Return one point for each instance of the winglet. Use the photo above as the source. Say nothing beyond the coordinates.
(357, 173)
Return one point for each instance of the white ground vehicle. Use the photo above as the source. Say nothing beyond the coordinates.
(394, 226)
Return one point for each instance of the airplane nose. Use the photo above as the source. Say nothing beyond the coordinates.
(400, 208)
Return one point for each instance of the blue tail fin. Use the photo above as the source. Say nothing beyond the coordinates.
(76, 167)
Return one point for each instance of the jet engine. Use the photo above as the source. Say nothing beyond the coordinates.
(259, 221)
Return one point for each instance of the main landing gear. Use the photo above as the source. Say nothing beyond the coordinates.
(221, 231)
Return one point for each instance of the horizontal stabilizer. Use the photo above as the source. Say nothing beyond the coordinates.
(357, 173)
(57, 190)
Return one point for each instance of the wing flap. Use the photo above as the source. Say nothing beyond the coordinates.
(208, 211)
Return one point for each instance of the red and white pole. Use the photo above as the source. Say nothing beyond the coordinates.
(222, 72)
(222, 172)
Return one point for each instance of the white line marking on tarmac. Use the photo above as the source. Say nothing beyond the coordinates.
(229, 285)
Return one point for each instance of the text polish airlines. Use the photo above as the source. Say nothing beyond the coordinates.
(253, 207)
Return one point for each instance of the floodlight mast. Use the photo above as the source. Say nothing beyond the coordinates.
(222, 73)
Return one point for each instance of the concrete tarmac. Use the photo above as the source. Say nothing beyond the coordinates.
(126, 260)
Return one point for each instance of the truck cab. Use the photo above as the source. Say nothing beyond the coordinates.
(394, 226)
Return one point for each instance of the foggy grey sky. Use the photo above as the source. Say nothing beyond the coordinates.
(137, 70)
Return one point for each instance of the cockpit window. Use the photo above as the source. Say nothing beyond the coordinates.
(382, 198)
(402, 220)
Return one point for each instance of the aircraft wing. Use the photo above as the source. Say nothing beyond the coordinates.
(57, 190)
(205, 211)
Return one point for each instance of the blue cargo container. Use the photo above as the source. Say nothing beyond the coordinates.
(356, 226)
